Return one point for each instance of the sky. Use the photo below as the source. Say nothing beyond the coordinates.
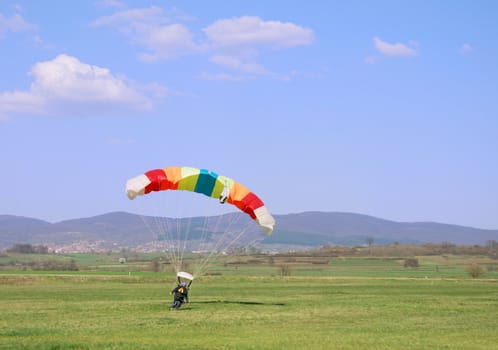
(383, 108)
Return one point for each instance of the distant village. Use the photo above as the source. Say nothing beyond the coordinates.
(102, 246)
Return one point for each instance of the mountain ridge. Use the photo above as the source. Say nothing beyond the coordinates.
(310, 228)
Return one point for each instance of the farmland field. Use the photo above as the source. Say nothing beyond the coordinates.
(346, 304)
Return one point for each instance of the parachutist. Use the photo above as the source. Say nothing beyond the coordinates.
(224, 195)
(180, 295)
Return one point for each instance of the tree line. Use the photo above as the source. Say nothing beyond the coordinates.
(24, 248)
(490, 249)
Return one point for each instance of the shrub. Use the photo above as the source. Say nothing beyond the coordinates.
(475, 270)
(54, 265)
(411, 263)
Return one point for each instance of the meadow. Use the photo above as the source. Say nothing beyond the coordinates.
(347, 303)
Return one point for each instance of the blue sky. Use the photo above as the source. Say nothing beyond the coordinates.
(388, 108)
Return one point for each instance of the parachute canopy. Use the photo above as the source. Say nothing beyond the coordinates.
(205, 182)
(185, 275)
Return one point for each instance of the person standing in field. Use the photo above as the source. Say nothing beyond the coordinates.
(180, 295)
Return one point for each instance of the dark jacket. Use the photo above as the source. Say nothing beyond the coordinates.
(181, 293)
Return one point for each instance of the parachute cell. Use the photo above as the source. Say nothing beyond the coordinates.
(205, 182)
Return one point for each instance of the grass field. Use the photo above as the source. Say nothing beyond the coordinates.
(348, 304)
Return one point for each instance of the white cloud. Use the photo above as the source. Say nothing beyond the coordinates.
(153, 15)
(15, 23)
(396, 49)
(253, 31)
(20, 102)
(232, 43)
(236, 42)
(166, 42)
(67, 86)
(151, 29)
(234, 63)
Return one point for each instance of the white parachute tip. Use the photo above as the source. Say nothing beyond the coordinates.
(136, 186)
(265, 220)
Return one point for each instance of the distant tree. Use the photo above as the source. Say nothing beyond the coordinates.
(369, 240)
(411, 263)
(72, 265)
(24, 248)
(475, 270)
(53, 265)
(21, 248)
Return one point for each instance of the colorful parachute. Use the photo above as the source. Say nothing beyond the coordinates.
(205, 182)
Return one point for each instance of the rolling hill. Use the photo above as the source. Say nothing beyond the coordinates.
(119, 230)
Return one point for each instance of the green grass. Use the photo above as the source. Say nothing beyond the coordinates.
(250, 309)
